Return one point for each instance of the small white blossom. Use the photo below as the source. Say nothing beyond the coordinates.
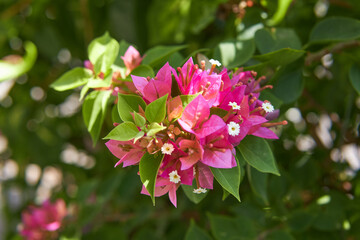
(216, 62)
(174, 177)
(267, 107)
(234, 105)
(199, 190)
(167, 148)
(233, 129)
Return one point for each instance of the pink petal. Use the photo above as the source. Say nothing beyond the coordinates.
(196, 111)
(206, 178)
(156, 89)
(218, 159)
(114, 148)
(264, 132)
(256, 120)
(140, 83)
(53, 226)
(212, 125)
(172, 195)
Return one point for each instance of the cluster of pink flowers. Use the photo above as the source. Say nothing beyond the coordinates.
(43, 222)
(224, 108)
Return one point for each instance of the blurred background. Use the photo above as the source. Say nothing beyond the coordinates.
(46, 151)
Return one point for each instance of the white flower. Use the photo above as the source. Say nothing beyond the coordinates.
(216, 62)
(267, 107)
(174, 177)
(199, 190)
(167, 148)
(234, 105)
(233, 129)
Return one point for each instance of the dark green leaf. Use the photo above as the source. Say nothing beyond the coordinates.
(194, 232)
(300, 220)
(229, 179)
(289, 83)
(268, 95)
(194, 197)
(279, 235)
(149, 167)
(355, 77)
(280, 57)
(102, 52)
(257, 153)
(233, 53)
(128, 104)
(10, 70)
(123, 132)
(159, 54)
(72, 79)
(258, 183)
(269, 40)
(156, 111)
(335, 29)
(143, 71)
(225, 228)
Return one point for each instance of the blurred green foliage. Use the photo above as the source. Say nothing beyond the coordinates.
(308, 49)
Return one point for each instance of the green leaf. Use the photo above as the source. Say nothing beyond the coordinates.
(267, 95)
(186, 99)
(289, 83)
(194, 197)
(280, 13)
(258, 183)
(280, 57)
(83, 92)
(156, 111)
(300, 220)
(139, 120)
(269, 40)
(194, 232)
(143, 71)
(139, 135)
(123, 132)
(72, 79)
(154, 128)
(128, 104)
(225, 228)
(279, 235)
(229, 179)
(10, 70)
(257, 153)
(115, 115)
(355, 77)
(94, 109)
(335, 29)
(218, 111)
(234, 53)
(149, 167)
(102, 52)
(225, 194)
(100, 83)
(159, 54)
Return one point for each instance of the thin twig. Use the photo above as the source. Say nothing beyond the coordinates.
(312, 57)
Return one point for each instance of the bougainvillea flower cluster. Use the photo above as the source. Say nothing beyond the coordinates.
(185, 122)
(44, 221)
